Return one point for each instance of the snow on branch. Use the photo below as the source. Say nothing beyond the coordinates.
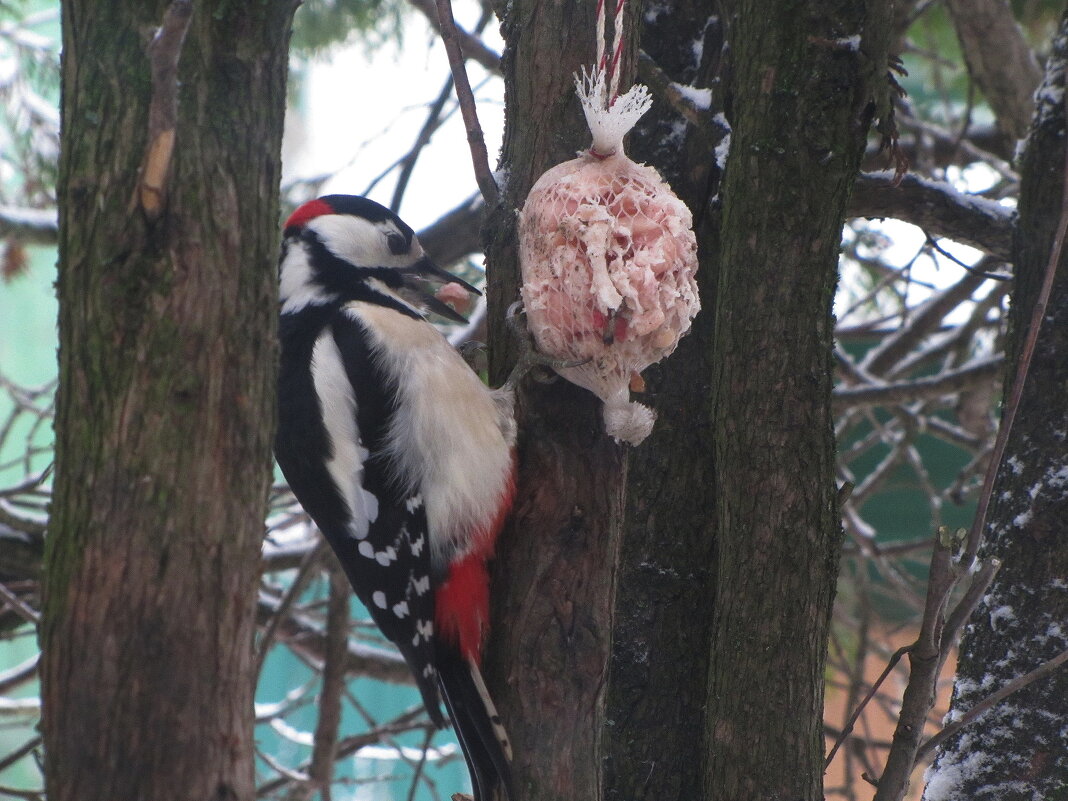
(937, 207)
(32, 226)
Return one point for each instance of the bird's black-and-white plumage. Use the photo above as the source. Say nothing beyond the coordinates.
(396, 449)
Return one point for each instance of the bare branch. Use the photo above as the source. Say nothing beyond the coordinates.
(307, 638)
(966, 605)
(938, 207)
(992, 700)
(23, 750)
(281, 612)
(321, 770)
(17, 605)
(651, 74)
(967, 148)
(407, 162)
(33, 226)
(19, 674)
(848, 728)
(882, 358)
(456, 234)
(471, 47)
(475, 140)
(1007, 73)
(924, 662)
(407, 721)
(928, 387)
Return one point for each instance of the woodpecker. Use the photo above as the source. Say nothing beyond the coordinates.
(404, 459)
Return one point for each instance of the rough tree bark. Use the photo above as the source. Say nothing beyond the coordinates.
(165, 398)
(803, 79)
(662, 620)
(745, 669)
(1017, 749)
(554, 578)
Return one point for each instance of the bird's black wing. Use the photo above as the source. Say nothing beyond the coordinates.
(401, 601)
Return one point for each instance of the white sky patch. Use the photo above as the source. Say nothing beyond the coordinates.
(353, 125)
(900, 245)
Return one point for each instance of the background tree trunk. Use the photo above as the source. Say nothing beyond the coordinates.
(803, 76)
(165, 406)
(662, 622)
(1016, 750)
(756, 398)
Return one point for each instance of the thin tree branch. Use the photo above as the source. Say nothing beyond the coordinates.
(407, 163)
(924, 662)
(947, 382)
(1008, 74)
(321, 771)
(14, 756)
(305, 637)
(992, 700)
(308, 563)
(941, 251)
(33, 226)
(17, 605)
(471, 46)
(965, 606)
(18, 675)
(29, 795)
(848, 728)
(881, 359)
(455, 235)
(475, 140)
(948, 138)
(404, 722)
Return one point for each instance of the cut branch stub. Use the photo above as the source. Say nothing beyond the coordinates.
(163, 53)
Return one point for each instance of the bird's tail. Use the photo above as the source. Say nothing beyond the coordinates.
(478, 727)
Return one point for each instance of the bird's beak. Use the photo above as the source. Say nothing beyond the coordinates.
(425, 272)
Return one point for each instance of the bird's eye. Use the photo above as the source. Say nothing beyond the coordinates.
(397, 245)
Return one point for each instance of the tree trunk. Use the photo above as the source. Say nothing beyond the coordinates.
(165, 402)
(554, 577)
(662, 622)
(799, 106)
(1017, 749)
(756, 399)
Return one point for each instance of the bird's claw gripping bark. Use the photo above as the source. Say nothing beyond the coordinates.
(529, 357)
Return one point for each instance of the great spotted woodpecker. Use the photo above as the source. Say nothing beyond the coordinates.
(397, 451)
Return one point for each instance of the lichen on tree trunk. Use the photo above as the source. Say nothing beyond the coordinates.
(163, 421)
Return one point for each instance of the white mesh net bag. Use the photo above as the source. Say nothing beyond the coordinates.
(608, 260)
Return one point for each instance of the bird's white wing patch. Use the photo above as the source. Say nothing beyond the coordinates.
(347, 453)
(457, 464)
